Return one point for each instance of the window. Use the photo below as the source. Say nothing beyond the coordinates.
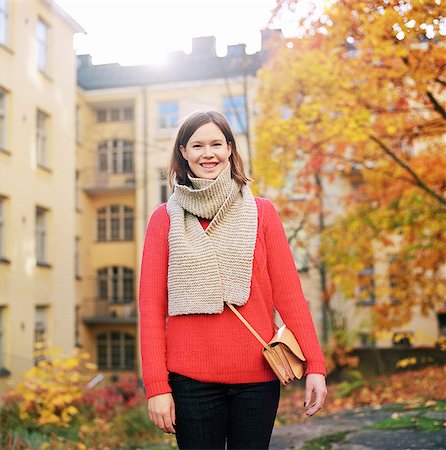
(365, 292)
(115, 114)
(77, 194)
(128, 114)
(115, 156)
(403, 339)
(2, 338)
(3, 121)
(116, 284)
(42, 139)
(367, 340)
(102, 115)
(164, 186)
(77, 262)
(4, 22)
(235, 111)
(442, 323)
(116, 351)
(40, 333)
(398, 281)
(42, 45)
(41, 235)
(78, 123)
(3, 228)
(168, 115)
(114, 223)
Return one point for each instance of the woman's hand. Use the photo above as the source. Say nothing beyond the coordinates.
(315, 382)
(162, 412)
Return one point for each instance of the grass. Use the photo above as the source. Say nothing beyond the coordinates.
(418, 423)
(324, 442)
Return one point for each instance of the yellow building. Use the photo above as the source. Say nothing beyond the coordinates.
(37, 160)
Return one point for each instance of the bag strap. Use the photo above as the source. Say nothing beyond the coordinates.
(246, 323)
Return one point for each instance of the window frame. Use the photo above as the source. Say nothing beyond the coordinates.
(41, 235)
(168, 117)
(115, 156)
(5, 21)
(114, 222)
(3, 231)
(42, 45)
(113, 348)
(116, 285)
(42, 138)
(4, 98)
(234, 109)
(2, 336)
(40, 334)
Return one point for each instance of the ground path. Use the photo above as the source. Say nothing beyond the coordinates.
(350, 430)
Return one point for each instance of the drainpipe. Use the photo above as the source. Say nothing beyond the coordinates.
(145, 157)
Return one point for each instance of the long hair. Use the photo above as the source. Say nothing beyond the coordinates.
(178, 167)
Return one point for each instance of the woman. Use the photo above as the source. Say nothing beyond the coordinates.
(205, 376)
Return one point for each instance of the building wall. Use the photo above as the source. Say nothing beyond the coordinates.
(26, 185)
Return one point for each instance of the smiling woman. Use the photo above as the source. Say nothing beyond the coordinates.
(213, 245)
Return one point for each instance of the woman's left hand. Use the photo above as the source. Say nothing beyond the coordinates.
(315, 382)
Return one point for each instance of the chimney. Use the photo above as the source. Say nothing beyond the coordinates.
(271, 38)
(84, 61)
(204, 46)
(236, 50)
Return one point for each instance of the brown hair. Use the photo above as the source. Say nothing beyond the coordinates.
(178, 167)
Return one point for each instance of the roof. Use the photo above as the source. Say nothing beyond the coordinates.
(178, 68)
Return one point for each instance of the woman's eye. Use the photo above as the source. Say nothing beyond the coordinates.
(196, 146)
(217, 144)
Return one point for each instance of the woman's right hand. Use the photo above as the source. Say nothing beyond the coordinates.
(162, 412)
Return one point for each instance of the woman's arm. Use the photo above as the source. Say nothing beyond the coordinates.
(292, 306)
(288, 297)
(153, 304)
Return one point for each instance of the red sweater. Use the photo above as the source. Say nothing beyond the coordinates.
(218, 347)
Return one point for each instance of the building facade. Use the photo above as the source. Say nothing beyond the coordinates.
(37, 115)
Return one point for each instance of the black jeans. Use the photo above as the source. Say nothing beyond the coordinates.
(213, 415)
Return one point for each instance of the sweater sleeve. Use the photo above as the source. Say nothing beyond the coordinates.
(288, 297)
(153, 304)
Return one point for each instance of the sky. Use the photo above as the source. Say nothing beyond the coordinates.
(142, 31)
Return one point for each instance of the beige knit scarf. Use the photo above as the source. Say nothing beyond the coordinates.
(212, 266)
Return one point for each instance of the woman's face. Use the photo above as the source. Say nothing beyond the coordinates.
(207, 152)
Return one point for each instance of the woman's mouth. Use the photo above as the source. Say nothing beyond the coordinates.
(208, 165)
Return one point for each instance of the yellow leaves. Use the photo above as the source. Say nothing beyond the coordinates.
(48, 391)
(406, 362)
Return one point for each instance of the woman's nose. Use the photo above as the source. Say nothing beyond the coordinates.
(208, 150)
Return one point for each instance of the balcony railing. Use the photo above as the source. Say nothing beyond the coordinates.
(103, 312)
(94, 181)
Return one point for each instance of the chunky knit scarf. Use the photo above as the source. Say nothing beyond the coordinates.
(212, 266)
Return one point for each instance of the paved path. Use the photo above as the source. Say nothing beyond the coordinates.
(355, 424)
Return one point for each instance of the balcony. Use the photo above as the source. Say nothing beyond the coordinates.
(97, 182)
(100, 312)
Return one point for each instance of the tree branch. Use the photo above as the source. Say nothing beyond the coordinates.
(417, 180)
(437, 105)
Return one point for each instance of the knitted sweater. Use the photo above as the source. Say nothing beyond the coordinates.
(218, 347)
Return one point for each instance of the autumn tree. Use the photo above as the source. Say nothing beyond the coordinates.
(360, 96)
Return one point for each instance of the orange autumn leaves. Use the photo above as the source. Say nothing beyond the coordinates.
(361, 99)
